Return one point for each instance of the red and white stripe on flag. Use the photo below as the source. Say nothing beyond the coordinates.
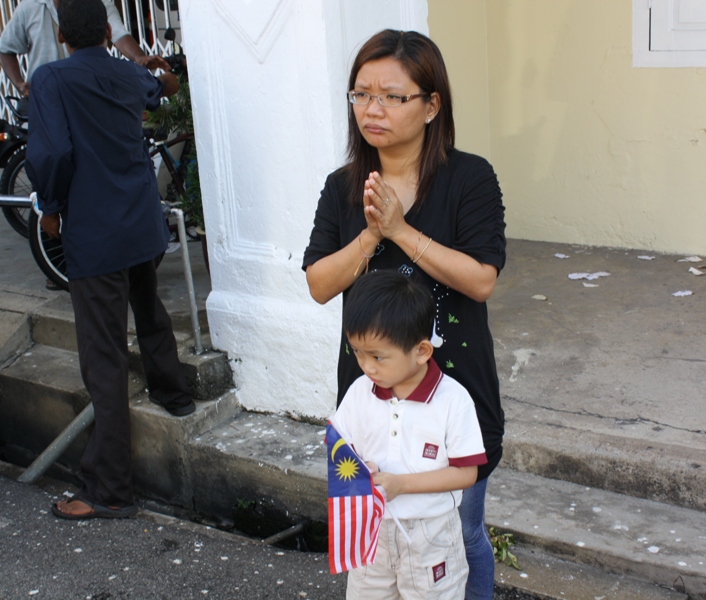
(354, 522)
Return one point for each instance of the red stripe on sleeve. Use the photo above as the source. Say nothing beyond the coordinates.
(468, 461)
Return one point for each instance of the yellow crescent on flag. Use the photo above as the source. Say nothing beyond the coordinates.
(336, 446)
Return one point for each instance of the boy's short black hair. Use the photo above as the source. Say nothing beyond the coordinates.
(392, 306)
(82, 22)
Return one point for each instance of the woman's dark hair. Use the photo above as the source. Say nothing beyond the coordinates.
(422, 61)
(389, 305)
(82, 22)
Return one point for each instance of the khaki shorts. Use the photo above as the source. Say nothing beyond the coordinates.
(432, 566)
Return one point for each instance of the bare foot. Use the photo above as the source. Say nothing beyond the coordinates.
(76, 510)
(74, 507)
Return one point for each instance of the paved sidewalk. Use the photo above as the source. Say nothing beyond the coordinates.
(148, 556)
(626, 355)
(618, 358)
(614, 370)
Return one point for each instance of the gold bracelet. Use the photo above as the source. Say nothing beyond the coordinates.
(416, 260)
(361, 247)
(358, 267)
(365, 258)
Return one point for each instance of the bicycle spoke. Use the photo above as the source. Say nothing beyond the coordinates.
(54, 251)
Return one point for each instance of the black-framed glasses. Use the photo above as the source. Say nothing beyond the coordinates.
(386, 100)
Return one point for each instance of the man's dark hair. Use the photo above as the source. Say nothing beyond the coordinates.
(389, 305)
(82, 22)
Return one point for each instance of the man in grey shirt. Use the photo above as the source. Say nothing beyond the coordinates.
(32, 30)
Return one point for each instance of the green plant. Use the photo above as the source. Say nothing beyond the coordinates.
(501, 543)
(245, 504)
(190, 201)
(175, 116)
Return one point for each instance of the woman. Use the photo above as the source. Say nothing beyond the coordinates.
(407, 200)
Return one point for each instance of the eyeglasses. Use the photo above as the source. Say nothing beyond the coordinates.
(387, 100)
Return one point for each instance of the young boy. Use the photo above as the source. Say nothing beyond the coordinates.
(417, 430)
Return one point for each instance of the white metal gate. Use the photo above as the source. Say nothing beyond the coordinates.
(146, 20)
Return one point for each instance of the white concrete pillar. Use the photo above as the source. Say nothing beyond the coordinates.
(268, 81)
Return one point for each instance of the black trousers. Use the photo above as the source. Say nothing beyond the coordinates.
(100, 308)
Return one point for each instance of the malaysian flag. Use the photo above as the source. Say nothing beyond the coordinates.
(355, 507)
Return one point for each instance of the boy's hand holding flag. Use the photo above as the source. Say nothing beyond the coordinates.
(355, 507)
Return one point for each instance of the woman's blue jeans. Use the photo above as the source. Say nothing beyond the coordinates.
(479, 552)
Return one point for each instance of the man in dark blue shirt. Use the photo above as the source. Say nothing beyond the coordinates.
(88, 162)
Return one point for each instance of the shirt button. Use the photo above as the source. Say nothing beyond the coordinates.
(394, 433)
(393, 401)
(395, 416)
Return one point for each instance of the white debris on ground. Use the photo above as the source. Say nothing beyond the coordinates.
(589, 276)
(683, 293)
(645, 257)
(539, 297)
(560, 255)
(693, 259)
(589, 284)
(695, 271)
(522, 357)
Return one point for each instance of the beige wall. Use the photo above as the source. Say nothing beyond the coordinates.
(588, 149)
(459, 29)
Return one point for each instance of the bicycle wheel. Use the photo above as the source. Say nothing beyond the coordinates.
(47, 252)
(14, 182)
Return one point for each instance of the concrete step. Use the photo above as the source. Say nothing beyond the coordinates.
(656, 542)
(260, 457)
(646, 544)
(548, 577)
(602, 385)
(15, 325)
(42, 392)
(209, 374)
(15, 336)
(163, 467)
(53, 323)
(634, 458)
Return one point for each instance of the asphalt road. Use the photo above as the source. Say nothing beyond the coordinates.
(147, 557)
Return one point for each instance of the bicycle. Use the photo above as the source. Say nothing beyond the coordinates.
(49, 252)
(14, 180)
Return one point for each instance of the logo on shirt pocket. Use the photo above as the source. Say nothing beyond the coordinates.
(439, 571)
(430, 451)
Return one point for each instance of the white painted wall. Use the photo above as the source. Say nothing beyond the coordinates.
(268, 82)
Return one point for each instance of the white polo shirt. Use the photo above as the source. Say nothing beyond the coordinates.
(435, 427)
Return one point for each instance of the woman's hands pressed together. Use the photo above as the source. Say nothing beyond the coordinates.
(384, 212)
(385, 215)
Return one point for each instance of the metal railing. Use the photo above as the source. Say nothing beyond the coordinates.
(146, 21)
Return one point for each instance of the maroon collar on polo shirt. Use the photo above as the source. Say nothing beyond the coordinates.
(424, 392)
